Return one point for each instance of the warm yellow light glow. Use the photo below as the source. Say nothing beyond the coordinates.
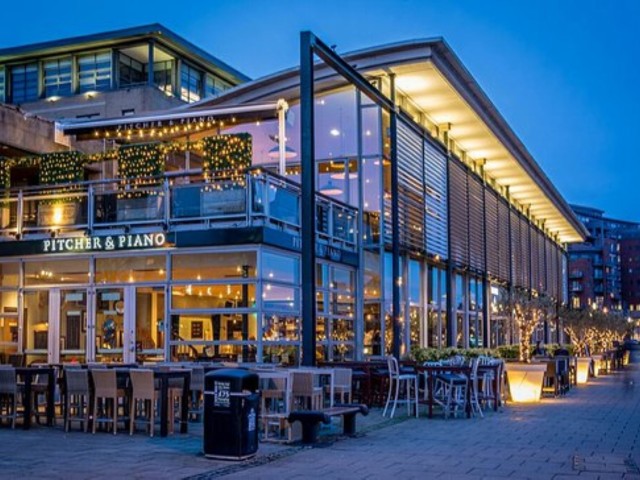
(525, 381)
(582, 372)
(597, 362)
(57, 214)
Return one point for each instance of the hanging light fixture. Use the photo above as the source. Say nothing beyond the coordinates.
(330, 189)
(288, 152)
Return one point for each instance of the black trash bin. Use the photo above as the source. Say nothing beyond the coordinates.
(231, 402)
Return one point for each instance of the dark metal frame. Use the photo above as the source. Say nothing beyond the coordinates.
(311, 46)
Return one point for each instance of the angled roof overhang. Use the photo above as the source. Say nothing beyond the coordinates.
(156, 31)
(430, 74)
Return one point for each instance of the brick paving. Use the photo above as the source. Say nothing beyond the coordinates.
(592, 433)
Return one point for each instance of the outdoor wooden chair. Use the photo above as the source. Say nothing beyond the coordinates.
(76, 401)
(143, 399)
(105, 398)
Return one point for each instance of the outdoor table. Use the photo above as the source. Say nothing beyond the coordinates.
(27, 374)
(430, 372)
(164, 376)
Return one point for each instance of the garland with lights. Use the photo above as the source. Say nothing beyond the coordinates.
(61, 168)
(226, 157)
(139, 167)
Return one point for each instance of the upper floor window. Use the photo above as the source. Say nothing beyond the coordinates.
(163, 75)
(2, 85)
(94, 72)
(132, 72)
(24, 83)
(215, 86)
(190, 83)
(57, 77)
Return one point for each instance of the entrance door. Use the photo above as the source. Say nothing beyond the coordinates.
(149, 331)
(112, 343)
(129, 324)
(72, 327)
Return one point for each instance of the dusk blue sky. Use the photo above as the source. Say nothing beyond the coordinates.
(565, 75)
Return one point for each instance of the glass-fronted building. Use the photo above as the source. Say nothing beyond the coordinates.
(183, 237)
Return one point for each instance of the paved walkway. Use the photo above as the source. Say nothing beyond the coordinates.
(592, 433)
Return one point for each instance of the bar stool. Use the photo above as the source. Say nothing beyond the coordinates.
(143, 399)
(105, 389)
(396, 381)
(76, 402)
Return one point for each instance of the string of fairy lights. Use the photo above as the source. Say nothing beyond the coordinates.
(140, 165)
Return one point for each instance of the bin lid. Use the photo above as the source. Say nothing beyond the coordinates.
(236, 378)
(231, 373)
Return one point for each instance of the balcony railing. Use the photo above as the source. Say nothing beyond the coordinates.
(180, 201)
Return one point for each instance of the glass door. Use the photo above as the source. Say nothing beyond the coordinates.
(110, 331)
(72, 325)
(149, 333)
(35, 317)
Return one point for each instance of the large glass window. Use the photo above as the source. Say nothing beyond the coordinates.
(8, 322)
(24, 83)
(163, 75)
(94, 72)
(201, 296)
(190, 83)
(416, 314)
(9, 274)
(461, 310)
(212, 266)
(53, 272)
(336, 311)
(501, 331)
(336, 125)
(131, 269)
(36, 323)
(214, 86)
(132, 72)
(280, 268)
(437, 314)
(57, 77)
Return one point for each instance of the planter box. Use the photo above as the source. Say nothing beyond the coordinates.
(597, 364)
(582, 370)
(525, 381)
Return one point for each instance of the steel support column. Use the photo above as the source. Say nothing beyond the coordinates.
(308, 200)
(395, 224)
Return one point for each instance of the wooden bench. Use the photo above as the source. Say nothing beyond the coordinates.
(311, 419)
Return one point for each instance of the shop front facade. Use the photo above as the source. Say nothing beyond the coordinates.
(206, 231)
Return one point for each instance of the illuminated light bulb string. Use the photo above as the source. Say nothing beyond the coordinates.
(140, 166)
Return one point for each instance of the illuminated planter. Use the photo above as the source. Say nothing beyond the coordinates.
(597, 364)
(582, 371)
(525, 381)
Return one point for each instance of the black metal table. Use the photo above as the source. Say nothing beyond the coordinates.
(164, 376)
(27, 374)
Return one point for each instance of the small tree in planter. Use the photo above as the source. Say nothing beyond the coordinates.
(574, 323)
(528, 311)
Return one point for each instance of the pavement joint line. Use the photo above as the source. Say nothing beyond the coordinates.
(325, 441)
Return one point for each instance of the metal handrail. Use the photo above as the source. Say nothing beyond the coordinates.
(162, 211)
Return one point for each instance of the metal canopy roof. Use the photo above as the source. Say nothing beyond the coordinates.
(168, 118)
(434, 78)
